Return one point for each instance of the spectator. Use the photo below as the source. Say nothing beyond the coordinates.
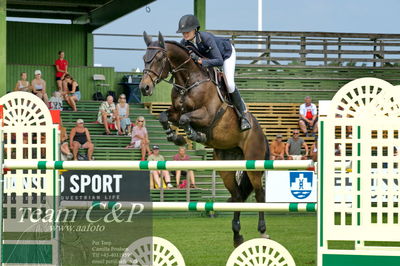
(38, 86)
(277, 148)
(140, 137)
(294, 145)
(182, 156)
(61, 69)
(22, 84)
(80, 138)
(314, 150)
(108, 115)
(155, 175)
(308, 117)
(71, 91)
(66, 153)
(56, 101)
(123, 112)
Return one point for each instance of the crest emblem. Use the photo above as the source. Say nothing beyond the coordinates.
(301, 184)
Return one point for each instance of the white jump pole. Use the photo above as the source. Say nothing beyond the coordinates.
(249, 165)
(190, 206)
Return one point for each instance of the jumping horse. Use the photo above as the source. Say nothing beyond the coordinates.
(206, 118)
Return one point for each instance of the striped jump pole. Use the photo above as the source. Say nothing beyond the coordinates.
(192, 206)
(244, 165)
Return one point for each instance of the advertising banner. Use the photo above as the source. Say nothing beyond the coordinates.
(290, 186)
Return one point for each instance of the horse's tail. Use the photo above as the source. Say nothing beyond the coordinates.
(245, 186)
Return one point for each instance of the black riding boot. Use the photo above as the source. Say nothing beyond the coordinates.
(239, 104)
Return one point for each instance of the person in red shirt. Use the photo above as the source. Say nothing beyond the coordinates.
(61, 69)
(182, 156)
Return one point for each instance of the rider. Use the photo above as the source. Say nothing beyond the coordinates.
(218, 52)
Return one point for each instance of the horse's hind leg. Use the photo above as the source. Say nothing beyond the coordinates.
(232, 186)
(252, 153)
(256, 181)
(228, 177)
(165, 118)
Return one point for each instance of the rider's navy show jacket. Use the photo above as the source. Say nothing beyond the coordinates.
(214, 49)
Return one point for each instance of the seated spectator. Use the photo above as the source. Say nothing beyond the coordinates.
(22, 84)
(71, 91)
(61, 70)
(66, 153)
(140, 137)
(308, 117)
(338, 149)
(108, 115)
(123, 113)
(38, 86)
(277, 148)
(182, 156)
(56, 101)
(314, 150)
(80, 138)
(294, 145)
(157, 175)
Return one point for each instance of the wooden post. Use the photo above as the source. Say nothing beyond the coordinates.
(3, 51)
(200, 12)
(382, 52)
(268, 48)
(339, 50)
(303, 50)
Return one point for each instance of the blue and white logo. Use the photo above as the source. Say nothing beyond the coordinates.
(301, 184)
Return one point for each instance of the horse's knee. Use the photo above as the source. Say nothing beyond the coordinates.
(163, 117)
(184, 120)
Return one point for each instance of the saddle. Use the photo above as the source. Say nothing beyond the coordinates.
(217, 76)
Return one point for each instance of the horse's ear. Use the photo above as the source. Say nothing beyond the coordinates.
(161, 40)
(147, 38)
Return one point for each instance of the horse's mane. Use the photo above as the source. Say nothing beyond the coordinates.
(185, 48)
(178, 44)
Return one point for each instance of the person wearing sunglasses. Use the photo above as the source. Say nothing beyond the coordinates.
(123, 112)
(294, 146)
(140, 138)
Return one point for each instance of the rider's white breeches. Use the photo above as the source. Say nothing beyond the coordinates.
(229, 70)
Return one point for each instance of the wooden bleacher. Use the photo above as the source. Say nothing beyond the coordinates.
(274, 118)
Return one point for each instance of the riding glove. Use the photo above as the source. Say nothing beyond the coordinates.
(195, 57)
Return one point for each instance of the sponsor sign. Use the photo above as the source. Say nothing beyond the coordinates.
(290, 186)
(107, 185)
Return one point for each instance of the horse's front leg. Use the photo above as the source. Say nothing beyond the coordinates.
(199, 117)
(165, 118)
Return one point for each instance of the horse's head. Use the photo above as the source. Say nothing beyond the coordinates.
(156, 65)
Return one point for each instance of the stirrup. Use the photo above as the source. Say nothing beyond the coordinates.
(244, 124)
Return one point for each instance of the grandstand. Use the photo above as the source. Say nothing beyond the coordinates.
(273, 80)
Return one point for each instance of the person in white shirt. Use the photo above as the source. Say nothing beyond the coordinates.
(308, 117)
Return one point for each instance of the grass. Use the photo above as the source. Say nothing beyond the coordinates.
(203, 241)
(208, 241)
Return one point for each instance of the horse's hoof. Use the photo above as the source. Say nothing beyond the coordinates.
(264, 236)
(238, 241)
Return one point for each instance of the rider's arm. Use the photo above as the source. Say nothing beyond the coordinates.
(215, 56)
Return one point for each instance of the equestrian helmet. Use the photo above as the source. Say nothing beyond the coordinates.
(188, 23)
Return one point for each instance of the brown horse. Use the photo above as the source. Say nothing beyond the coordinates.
(206, 118)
